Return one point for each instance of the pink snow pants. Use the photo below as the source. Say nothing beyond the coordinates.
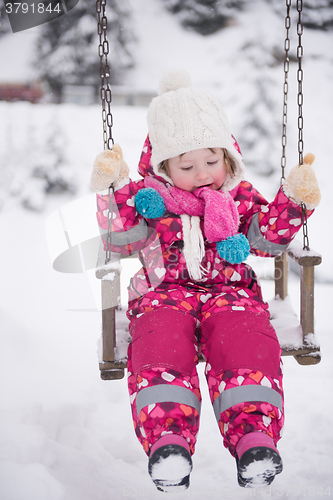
(243, 372)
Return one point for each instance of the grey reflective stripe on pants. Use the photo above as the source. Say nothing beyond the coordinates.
(258, 241)
(246, 394)
(165, 393)
(137, 233)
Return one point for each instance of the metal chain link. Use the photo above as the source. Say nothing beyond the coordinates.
(108, 237)
(285, 91)
(106, 95)
(106, 98)
(306, 243)
(300, 82)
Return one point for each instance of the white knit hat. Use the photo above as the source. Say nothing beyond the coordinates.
(182, 119)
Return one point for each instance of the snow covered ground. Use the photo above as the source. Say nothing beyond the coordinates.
(67, 435)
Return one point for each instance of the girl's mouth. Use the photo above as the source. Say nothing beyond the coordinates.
(204, 186)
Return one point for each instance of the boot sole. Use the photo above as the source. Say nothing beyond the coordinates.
(161, 473)
(258, 467)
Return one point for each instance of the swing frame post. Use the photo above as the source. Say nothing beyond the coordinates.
(281, 275)
(307, 299)
(108, 325)
(108, 320)
(309, 354)
(110, 368)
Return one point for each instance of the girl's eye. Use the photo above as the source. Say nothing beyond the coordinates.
(211, 162)
(186, 168)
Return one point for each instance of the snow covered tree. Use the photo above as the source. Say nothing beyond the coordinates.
(260, 135)
(261, 95)
(204, 16)
(4, 21)
(54, 168)
(316, 14)
(34, 161)
(67, 48)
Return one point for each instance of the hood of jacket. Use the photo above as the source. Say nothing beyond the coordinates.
(145, 168)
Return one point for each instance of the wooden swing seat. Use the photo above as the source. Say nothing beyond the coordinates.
(296, 340)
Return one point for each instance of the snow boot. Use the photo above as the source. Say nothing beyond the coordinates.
(258, 460)
(170, 463)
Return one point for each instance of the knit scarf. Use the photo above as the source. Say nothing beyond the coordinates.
(219, 213)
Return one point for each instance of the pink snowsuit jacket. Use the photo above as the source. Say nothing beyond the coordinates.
(269, 228)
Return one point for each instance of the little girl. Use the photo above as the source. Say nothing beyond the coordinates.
(193, 218)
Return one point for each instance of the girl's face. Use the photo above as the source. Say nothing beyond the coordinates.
(198, 168)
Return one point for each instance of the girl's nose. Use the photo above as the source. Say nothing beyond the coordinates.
(202, 174)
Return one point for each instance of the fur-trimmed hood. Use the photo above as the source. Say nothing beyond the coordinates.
(145, 167)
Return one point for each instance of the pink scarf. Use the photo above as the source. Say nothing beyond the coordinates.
(218, 209)
(219, 212)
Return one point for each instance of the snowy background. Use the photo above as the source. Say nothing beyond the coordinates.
(65, 434)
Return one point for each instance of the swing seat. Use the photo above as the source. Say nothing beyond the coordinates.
(296, 337)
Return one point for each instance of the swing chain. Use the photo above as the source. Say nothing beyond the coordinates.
(106, 97)
(285, 91)
(306, 244)
(110, 214)
(300, 82)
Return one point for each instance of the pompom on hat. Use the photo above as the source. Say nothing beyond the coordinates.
(182, 119)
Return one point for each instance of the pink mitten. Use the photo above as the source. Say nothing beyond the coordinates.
(301, 184)
(221, 218)
(109, 168)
